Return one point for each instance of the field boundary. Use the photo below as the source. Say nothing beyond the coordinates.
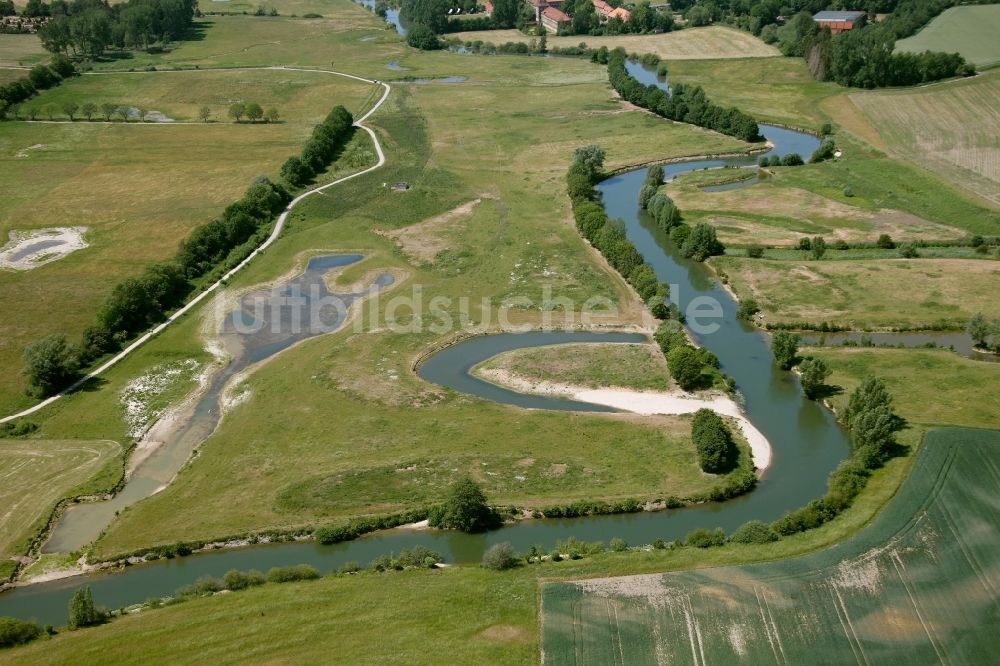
(275, 234)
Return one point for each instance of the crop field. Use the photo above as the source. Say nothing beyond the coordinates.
(971, 31)
(123, 184)
(952, 129)
(929, 386)
(692, 44)
(35, 474)
(919, 582)
(640, 367)
(866, 293)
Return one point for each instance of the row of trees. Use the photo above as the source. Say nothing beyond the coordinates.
(326, 141)
(137, 303)
(687, 104)
(643, 18)
(40, 77)
(813, 372)
(252, 111)
(608, 236)
(699, 242)
(87, 28)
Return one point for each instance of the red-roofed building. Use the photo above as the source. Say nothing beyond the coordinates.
(488, 7)
(620, 13)
(553, 19)
(606, 12)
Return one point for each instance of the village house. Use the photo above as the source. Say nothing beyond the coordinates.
(553, 19)
(606, 12)
(541, 5)
(838, 22)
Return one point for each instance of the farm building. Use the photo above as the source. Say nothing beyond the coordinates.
(838, 22)
(541, 5)
(606, 12)
(553, 19)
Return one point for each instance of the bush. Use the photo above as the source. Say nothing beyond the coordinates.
(885, 242)
(239, 580)
(423, 38)
(785, 347)
(711, 436)
(755, 252)
(349, 567)
(702, 538)
(618, 545)
(82, 612)
(909, 251)
(17, 632)
(465, 509)
(679, 234)
(51, 364)
(499, 556)
(293, 573)
(848, 191)
(702, 243)
(747, 309)
(685, 365)
(754, 532)
(792, 159)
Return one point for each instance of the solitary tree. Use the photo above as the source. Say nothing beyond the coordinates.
(141, 114)
(108, 109)
(236, 111)
(870, 394)
(713, 441)
(979, 329)
(254, 112)
(272, 115)
(685, 367)
(464, 509)
(88, 109)
(784, 346)
(500, 556)
(204, 113)
(591, 157)
(814, 373)
(885, 242)
(70, 109)
(818, 248)
(82, 612)
(50, 364)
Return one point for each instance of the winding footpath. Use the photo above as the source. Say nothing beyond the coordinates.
(275, 233)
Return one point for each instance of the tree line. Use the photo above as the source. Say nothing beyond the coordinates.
(40, 77)
(687, 104)
(135, 304)
(87, 28)
(326, 141)
(985, 333)
(699, 242)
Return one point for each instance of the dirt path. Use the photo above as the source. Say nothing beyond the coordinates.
(278, 226)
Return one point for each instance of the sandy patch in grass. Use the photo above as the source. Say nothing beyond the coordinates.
(31, 249)
(24, 151)
(646, 403)
(505, 632)
(423, 241)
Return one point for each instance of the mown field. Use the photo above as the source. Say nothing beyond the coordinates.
(712, 42)
(35, 474)
(139, 189)
(971, 31)
(640, 367)
(951, 129)
(21, 50)
(860, 293)
(918, 582)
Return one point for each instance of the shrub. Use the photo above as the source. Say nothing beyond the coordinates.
(418, 556)
(17, 632)
(423, 38)
(679, 234)
(755, 252)
(499, 556)
(465, 509)
(792, 159)
(747, 309)
(909, 251)
(714, 442)
(239, 580)
(702, 538)
(785, 347)
(618, 545)
(702, 243)
(51, 364)
(754, 532)
(826, 129)
(814, 373)
(885, 242)
(659, 544)
(848, 191)
(351, 566)
(293, 573)
(685, 365)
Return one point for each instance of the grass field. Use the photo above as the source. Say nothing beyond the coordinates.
(774, 212)
(951, 129)
(930, 387)
(971, 31)
(640, 367)
(917, 582)
(693, 44)
(35, 474)
(863, 294)
(124, 184)
(21, 50)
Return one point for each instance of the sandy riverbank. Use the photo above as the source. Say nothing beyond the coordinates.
(643, 402)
